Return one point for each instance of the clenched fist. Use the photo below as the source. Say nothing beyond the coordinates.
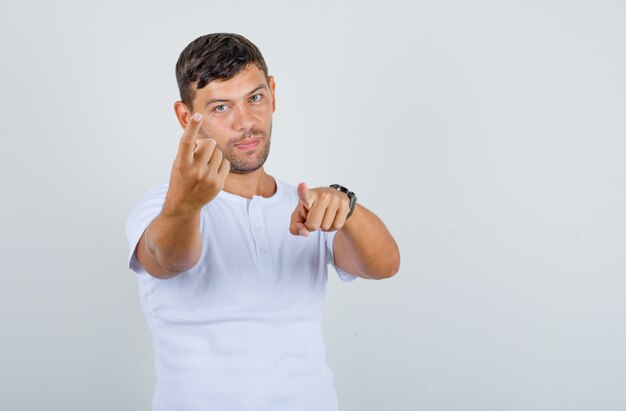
(319, 208)
(198, 172)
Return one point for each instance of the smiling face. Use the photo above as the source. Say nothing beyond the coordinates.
(238, 116)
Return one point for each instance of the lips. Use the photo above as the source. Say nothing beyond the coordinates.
(248, 144)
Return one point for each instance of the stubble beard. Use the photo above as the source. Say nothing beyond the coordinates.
(245, 164)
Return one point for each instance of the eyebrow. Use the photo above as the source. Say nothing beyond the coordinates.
(221, 100)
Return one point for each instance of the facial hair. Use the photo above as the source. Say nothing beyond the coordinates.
(246, 164)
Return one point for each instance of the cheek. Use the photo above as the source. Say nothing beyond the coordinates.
(216, 126)
(265, 113)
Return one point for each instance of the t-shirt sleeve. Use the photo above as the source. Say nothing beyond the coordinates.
(345, 276)
(138, 220)
(140, 216)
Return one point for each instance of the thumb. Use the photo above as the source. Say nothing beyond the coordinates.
(303, 195)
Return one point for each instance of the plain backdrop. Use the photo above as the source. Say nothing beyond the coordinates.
(490, 136)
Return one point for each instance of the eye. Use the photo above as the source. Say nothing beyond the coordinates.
(256, 98)
(221, 108)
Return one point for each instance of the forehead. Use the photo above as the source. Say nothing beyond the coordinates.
(239, 86)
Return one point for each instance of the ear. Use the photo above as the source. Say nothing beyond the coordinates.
(272, 84)
(183, 114)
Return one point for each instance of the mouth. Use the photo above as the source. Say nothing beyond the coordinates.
(248, 144)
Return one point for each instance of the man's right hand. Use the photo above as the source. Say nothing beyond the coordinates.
(198, 172)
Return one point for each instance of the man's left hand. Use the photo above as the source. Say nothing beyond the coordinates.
(319, 208)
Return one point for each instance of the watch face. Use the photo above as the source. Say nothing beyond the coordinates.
(342, 189)
(350, 195)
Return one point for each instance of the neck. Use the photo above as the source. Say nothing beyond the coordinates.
(247, 185)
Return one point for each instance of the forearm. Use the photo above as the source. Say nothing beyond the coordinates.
(173, 239)
(369, 245)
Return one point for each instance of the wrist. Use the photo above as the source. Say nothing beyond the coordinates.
(351, 196)
(178, 211)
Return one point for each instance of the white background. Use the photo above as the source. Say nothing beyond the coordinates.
(489, 136)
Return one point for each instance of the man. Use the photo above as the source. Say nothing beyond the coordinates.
(231, 262)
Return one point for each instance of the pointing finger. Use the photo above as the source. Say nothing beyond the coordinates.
(188, 140)
(304, 196)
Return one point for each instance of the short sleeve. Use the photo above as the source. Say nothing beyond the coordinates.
(141, 215)
(345, 276)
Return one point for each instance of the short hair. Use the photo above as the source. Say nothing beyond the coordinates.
(215, 56)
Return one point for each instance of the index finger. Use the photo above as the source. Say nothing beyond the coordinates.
(188, 140)
(303, 195)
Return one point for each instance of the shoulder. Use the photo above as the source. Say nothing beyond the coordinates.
(143, 212)
(152, 197)
(286, 187)
(155, 192)
(287, 193)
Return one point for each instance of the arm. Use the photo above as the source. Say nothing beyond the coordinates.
(170, 245)
(362, 246)
(172, 242)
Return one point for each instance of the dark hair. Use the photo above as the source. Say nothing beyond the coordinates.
(216, 56)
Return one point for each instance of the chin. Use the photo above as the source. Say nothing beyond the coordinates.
(245, 166)
(238, 168)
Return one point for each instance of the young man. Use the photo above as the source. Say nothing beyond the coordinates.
(231, 262)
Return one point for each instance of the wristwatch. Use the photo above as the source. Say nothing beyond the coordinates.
(350, 195)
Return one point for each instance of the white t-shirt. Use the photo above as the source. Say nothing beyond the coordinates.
(242, 330)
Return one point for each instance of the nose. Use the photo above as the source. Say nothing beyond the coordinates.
(243, 119)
